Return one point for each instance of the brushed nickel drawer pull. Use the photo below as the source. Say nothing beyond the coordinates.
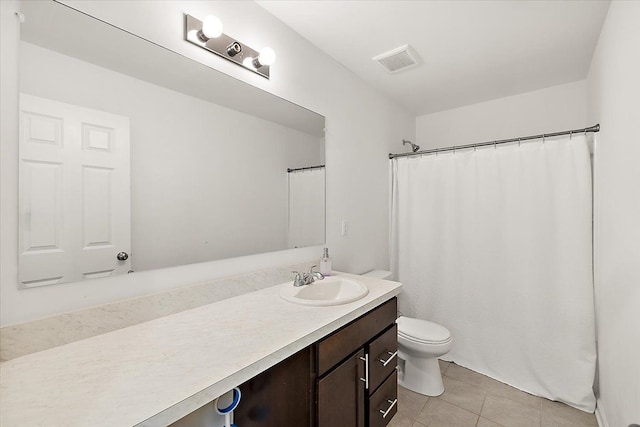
(365, 359)
(391, 356)
(393, 403)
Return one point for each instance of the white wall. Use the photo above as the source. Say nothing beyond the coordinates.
(552, 109)
(613, 101)
(207, 182)
(362, 126)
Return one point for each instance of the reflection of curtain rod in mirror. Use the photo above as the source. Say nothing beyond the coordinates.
(208, 35)
(289, 170)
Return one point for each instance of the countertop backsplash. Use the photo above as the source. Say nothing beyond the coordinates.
(30, 337)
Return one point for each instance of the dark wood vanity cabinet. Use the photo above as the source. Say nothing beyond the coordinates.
(356, 365)
(347, 379)
(280, 396)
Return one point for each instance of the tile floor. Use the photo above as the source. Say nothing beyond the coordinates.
(474, 400)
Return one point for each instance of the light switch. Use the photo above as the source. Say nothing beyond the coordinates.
(345, 227)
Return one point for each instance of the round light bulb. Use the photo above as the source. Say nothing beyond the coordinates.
(192, 35)
(211, 27)
(267, 56)
(248, 62)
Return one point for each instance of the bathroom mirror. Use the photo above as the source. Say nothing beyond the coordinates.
(134, 157)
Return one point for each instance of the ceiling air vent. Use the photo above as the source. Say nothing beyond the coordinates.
(397, 59)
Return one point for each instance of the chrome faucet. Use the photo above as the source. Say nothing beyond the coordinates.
(308, 278)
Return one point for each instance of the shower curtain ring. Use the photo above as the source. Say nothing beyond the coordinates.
(437, 150)
(570, 135)
(475, 146)
(519, 142)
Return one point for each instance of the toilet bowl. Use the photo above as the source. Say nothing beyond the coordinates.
(420, 343)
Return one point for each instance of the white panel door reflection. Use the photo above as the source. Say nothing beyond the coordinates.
(74, 193)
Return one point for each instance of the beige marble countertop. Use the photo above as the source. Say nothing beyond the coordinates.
(156, 372)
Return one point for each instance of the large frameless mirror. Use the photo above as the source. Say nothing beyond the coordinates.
(133, 157)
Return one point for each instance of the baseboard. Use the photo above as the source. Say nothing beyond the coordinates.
(600, 415)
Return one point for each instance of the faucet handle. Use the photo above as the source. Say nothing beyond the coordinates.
(315, 274)
(298, 280)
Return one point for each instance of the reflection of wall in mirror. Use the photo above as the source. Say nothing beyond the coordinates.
(207, 182)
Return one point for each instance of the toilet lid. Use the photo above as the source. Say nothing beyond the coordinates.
(422, 330)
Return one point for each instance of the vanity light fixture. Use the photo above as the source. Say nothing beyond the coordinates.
(208, 35)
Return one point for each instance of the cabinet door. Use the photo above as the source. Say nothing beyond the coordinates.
(280, 396)
(341, 394)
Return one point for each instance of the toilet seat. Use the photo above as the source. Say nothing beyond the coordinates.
(422, 331)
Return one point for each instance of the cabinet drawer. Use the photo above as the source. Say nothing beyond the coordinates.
(383, 404)
(383, 357)
(342, 343)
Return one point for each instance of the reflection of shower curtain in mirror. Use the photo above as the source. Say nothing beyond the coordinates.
(306, 208)
(495, 244)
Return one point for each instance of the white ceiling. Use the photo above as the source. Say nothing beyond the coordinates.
(470, 51)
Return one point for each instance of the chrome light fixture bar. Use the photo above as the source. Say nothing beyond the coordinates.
(208, 35)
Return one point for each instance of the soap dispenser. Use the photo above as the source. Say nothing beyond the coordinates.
(325, 263)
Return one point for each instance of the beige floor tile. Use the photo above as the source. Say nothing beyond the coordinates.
(503, 390)
(483, 422)
(443, 366)
(466, 375)
(492, 386)
(438, 413)
(499, 404)
(463, 395)
(556, 414)
(410, 403)
(509, 413)
(400, 420)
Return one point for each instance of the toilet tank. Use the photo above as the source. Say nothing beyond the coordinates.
(379, 274)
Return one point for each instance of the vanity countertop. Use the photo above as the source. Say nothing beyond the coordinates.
(156, 372)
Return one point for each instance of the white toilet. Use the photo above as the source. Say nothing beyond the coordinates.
(420, 343)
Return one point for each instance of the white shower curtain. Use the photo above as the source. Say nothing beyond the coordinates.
(306, 208)
(495, 244)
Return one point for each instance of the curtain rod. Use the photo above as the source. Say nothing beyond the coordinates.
(289, 170)
(595, 128)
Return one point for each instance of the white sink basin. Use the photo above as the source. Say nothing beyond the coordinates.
(334, 290)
